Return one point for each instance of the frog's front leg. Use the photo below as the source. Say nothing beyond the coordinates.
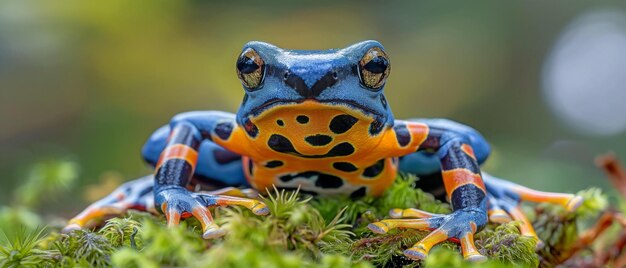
(177, 163)
(464, 187)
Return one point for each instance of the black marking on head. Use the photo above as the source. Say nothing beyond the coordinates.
(250, 167)
(297, 83)
(402, 134)
(328, 80)
(468, 195)
(344, 166)
(280, 122)
(318, 140)
(376, 126)
(251, 128)
(302, 119)
(224, 157)
(342, 123)
(359, 193)
(281, 144)
(274, 164)
(224, 129)
(375, 169)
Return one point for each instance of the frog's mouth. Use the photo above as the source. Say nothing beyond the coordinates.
(367, 111)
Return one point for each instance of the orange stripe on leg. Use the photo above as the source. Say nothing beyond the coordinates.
(467, 149)
(179, 151)
(455, 178)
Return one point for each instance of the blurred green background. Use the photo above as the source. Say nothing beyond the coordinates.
(87, 82)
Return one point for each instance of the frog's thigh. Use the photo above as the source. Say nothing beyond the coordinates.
(219, 164)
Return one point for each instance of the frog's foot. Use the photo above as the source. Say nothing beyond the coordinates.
(459, 225)
(177, 203)
(504, 198)
(136, 194)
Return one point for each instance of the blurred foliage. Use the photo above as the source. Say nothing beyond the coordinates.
(93, 80)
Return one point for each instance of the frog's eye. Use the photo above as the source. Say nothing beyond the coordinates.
(374, 68)
(250, 69)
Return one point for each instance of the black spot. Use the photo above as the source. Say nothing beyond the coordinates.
(173, 171)
(318, 140)
(342, 149)
(302, 119)
(250, 167)
(280, 122)
(281, 144)
(223, 157)
(251, 128)
(358, 193)
(342, 123)
(274, 164)
(184, 135)
(224, 129)
(402, 134)
(344, 166)
(376, 126)
(328, 181)
(374, 170)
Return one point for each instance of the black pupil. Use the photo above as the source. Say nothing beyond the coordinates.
(377, 65)
(246, 65)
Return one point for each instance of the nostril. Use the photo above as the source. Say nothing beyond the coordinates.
(335, 75)
(286, 75)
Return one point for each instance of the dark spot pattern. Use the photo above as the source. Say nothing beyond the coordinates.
(344, 166)
(402, 134)
(376, 126)
(223, 130)
(342, 123)
(280, 122)
(281, 144)
(274, 164)
(319, 140)
(324, 180)
(302, 119)
(224, 157)
(374, 170)
(358, 193)
(251, 128)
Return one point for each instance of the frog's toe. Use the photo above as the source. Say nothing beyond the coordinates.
(71, 227)
(498, 216)
(213, 232)
(574, 203)
(384, 226)
(397, 213)
(420, 250)
(415, 253)
(526, 228)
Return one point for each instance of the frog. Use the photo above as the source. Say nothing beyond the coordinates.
(318, 121)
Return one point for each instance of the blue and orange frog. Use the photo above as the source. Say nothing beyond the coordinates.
(319, 121)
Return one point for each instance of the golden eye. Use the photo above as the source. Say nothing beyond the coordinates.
(250, 69)
(374, 68)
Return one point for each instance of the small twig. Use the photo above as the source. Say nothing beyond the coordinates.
(614, 170)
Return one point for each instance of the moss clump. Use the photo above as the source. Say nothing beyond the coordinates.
(300, 231)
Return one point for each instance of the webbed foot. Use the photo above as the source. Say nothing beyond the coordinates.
(177, 203)
(459, 225)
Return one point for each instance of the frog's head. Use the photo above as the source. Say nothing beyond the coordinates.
(312, 92)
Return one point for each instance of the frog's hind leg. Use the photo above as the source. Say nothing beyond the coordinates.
(504, 198)
(136, 194)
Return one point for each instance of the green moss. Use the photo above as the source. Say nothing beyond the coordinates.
(299, 232)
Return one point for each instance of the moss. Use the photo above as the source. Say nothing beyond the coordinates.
(299, 232)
